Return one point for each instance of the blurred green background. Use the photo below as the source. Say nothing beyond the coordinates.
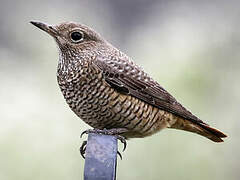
(190, 47)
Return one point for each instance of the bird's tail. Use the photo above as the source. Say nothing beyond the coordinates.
(199, 128)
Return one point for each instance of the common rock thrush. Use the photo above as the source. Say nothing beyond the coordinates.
(108, 91)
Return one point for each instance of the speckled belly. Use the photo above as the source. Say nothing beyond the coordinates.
(100, 106)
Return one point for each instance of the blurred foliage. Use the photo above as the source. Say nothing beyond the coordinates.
(190, 47)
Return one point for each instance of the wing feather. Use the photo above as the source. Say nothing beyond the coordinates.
(126, 77)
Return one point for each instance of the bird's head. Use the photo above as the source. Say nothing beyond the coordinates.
(70, 35)
(77, 43)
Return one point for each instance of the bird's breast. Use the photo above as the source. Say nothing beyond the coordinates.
(86, 93)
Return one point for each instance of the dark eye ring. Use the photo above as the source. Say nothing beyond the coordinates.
(77, 36)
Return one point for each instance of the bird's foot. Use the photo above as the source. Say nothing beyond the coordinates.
(83, 150)
(113, 132)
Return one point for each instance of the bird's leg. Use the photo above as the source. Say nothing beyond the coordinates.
(114, 132)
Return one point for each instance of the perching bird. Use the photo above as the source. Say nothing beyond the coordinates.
(108, 91)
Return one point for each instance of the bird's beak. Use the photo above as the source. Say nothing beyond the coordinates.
(45, 27)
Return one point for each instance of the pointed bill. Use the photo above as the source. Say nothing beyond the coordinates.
(45, 27)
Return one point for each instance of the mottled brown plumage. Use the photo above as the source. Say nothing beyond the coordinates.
(106, 89)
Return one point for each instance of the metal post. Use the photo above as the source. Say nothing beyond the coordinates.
(100, 157)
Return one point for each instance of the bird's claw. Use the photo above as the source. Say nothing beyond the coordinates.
(84, 132)
(119, 155)
(83, 149)
(123, 140)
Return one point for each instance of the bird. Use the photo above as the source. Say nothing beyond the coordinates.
(110, 92)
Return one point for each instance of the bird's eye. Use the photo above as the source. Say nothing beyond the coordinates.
(77, 36)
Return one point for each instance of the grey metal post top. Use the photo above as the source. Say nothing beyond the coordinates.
(100, 157)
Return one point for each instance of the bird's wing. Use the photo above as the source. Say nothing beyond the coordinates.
(126, 77)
